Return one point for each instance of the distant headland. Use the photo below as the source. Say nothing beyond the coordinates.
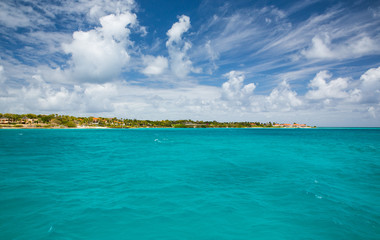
(9, 120)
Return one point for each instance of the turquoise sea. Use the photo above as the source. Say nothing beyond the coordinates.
(190, 184)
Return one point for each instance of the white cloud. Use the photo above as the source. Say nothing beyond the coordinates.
(229, 34)
(154, 65)
(13, 15)
(100, 97)
(3, 86)
(170, 103)
(41, 96)
(95, 59)
(234, 89)
(100, 54)
(282, 98)
(356, 46)
(319, 48)
(32, 14)
(212, 54)
(2, 77)
(278, 13)
(99, 8)
(180, 63)
(370, 85)
(372, 111)
(244, 37)
(321, 89)
(178, 28)
(114, 27)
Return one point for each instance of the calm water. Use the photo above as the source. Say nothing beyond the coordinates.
(190, 184)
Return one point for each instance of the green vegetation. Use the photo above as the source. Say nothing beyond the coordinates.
(64, 121)
(70, 124)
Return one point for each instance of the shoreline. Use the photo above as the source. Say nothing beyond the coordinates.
(321, 128)
(55, 121)
(93, 127)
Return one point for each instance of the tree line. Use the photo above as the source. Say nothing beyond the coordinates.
(51, 120)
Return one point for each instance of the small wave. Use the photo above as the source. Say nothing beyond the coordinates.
(51, 229)
(163, 140)
(318, 196)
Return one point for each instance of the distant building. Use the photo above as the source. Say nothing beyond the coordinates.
(287, 125)
(4, 121)
(95, 120)
(299, 125)
(26, 120)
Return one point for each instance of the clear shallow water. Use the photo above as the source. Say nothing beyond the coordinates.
(190, 184)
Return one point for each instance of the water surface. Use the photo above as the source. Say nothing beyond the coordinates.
(190, 184)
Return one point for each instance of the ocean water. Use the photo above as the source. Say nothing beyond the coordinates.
(190, 184)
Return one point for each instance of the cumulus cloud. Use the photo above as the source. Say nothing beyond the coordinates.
(114, 26)
(365, 91)
(178, 28)
(282, 98)
(180, 63)
(100, 97)
(322, 47)
(234, 89)
(319, 48)
(40, 96)
(154, 65)
(239, 98)
(100, 54)
(370, 85)
(322, 89)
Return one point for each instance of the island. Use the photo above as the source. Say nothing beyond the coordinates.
(10, 120)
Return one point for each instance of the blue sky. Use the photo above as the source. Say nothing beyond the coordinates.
(314, 62)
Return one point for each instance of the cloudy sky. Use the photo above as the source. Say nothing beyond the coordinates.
(307, 61)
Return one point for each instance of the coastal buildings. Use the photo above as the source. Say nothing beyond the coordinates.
(23, 120)
(26, 120)
(5, 121)
(294, 125)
